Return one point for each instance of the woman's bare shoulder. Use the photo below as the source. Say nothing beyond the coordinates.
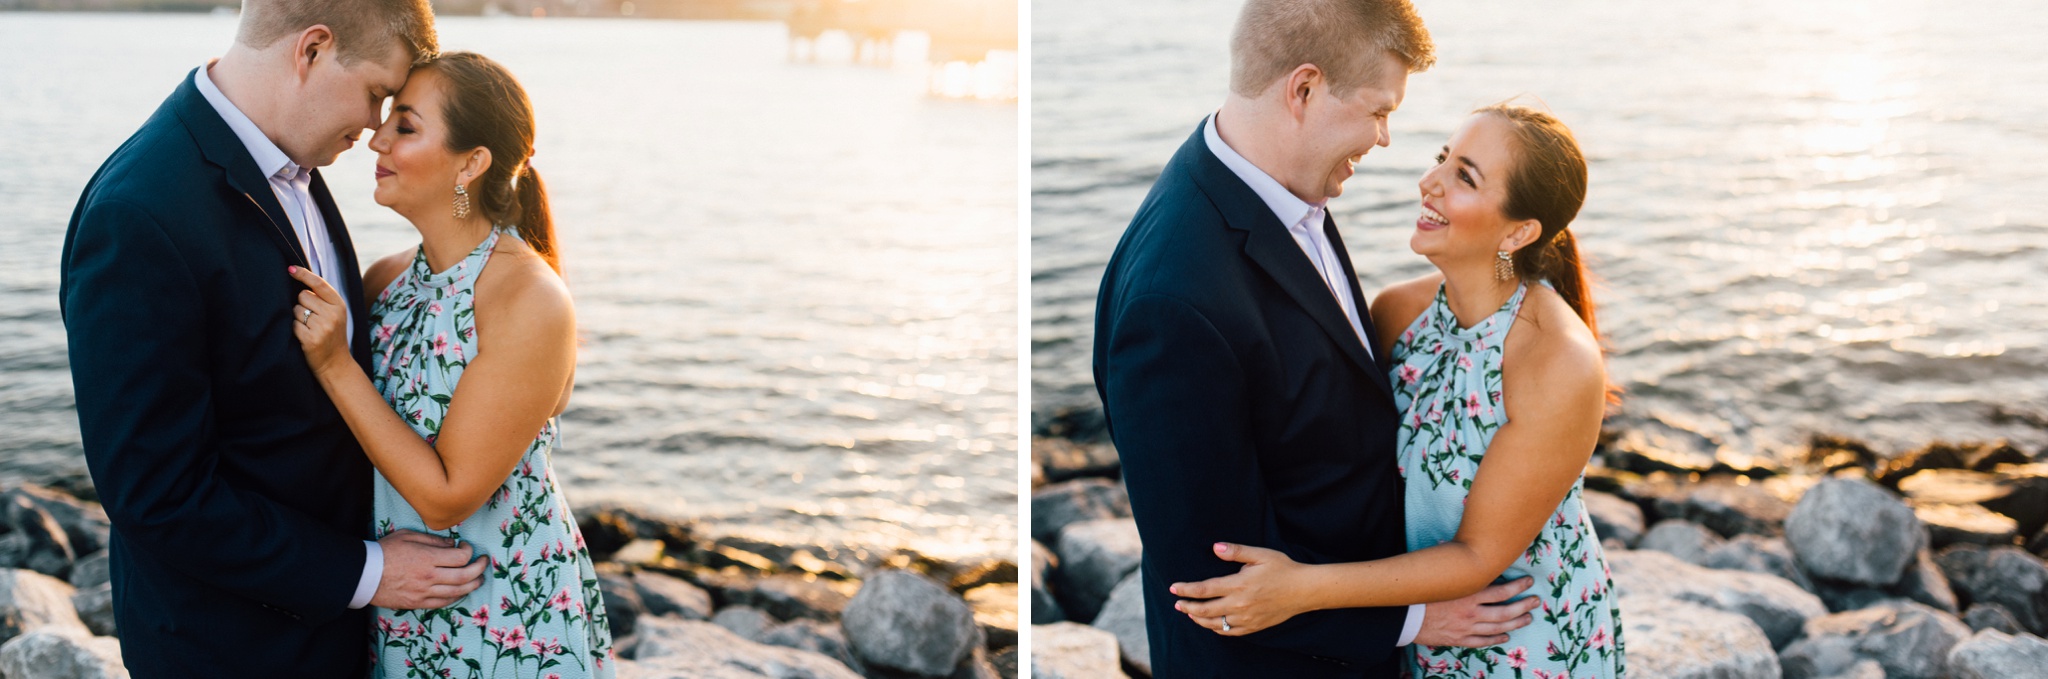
(519, 284)
(1554, 343)
(1397, 305)
(386, 269)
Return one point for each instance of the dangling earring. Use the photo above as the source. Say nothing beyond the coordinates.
(1504, 266)
(461, 201)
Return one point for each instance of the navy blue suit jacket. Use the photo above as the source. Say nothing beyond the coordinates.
(1245, 409)
(239, 498)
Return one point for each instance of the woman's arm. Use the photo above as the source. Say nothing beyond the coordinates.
(525, 351)
(1555, 396)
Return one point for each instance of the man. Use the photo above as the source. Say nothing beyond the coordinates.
(238, 496)
(1233, 352)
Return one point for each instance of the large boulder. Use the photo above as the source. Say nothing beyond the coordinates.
(904, 621)
(85, 524)
(1066, 650)
(1045, 608)
(1984, 615)
(1729, 506)
(1849, 529)
(1758, 554)
(1124, 616)
(1686, 540)
(668, 595)
(1094, 557)
(1779, 608)
(44, 546)
(995, 610)
(1991, 654)
(52, 653)
(1054, 507)
(750, 623)
(1061, 459)
(31, 601)
(622, 605)
(1673, 639)
(1909, 639)
(91, 571)
(96, 609)
(1925, 583)
(1613, 517)
(2007, 576)
(674, 649)
(822, 638)
(785, 596)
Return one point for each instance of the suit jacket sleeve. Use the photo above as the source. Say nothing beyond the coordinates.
(1180, 414)
(135, 321)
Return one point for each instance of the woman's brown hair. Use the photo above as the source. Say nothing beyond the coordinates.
(1548, 185)
(485, 106)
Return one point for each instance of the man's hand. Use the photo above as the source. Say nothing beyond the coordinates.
(425, 571)
(1473, 623)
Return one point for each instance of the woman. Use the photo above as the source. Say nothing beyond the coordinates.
(473, 338)
(1501, 387)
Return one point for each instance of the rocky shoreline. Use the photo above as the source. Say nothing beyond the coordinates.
(1844, 564)
(680, 604)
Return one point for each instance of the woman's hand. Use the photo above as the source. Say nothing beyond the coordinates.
(1268, 591)
(320, 320)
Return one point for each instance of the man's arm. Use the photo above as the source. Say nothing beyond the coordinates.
(1180, 414)
(133, 316)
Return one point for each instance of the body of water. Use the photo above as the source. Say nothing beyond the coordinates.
(1823, 216)
(796, 282)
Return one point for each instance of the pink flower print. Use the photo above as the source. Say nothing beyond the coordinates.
(561, 600)
(383, 624)
(1408, 335)
(1472, 404)
(1464, 361)
(1540, 674)
(518, 556)
(1600, 638)
(440, 343)
(384, 332)
(505, 526)
(482, 616)
(1409, 374)
(544, 551)
(1518, 658)
(403, 630)
(443, 641)
(434, 308)
(456, 350)
(517, 637)
(579, 540)
(505, 604)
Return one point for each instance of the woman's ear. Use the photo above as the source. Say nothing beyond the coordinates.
(1523, 233)
(476, 165)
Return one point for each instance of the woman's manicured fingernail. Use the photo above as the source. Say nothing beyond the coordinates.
(1173, 588)
(1221, 548)
(292, 269)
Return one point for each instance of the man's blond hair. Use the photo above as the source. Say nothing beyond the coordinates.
(362, 28)
(1341, 37)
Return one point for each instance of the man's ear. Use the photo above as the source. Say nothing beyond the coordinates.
(313, 44)
(1300, 85)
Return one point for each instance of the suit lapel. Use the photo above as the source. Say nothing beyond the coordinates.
(351, 270)
(1268, 245)
(1379, 370)
(220, 147)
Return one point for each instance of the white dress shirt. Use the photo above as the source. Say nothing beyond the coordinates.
(293, 186)
(1304, 221)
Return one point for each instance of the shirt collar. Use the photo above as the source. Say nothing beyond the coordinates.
(269, 158)
(1291, 209)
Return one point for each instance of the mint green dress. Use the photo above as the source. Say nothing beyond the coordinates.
(1447, 386)
(538, 613)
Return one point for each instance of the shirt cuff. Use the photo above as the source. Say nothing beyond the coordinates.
(1412, 627)
(373, 572)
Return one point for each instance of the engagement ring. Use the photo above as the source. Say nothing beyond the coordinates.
(1226, 623)
(305, 315)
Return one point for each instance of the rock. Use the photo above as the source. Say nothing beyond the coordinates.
(1686, 540)
(2017, 492)
(1056, 506)
(622, 605)
(1758, 554)
(13, 549)
(1925, 583)
(1849, 596)
(1991, 654)
(1062, 459)
(31, 601)
(1045, 609)
(823, 638)
(676, 649)
(1094, 557)
(1614, 517)
(1779, 608)
(789, 596)
(49, 547)
(1124, 616)
(995, 610)
(904, 621)
(1834, 453)
(748, 622)
(1673, 639)
(987, 572)
(95, 608)
(1065, 650)
(1909, 639)
(640, 553)
(1984, 615)
(2007, 576)
(609, 527)
(976, 667)
(1934, 456)
(1949, 524)
(91, 571)
(1729, 506)
(1643, 453)
(1849, 529)
(667, 595)
(85, 524)
(59, 654)
(1005, 662)
(1604, 479)
(2039, 544)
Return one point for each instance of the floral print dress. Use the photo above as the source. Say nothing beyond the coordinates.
(1447, 385)
(538, 613)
